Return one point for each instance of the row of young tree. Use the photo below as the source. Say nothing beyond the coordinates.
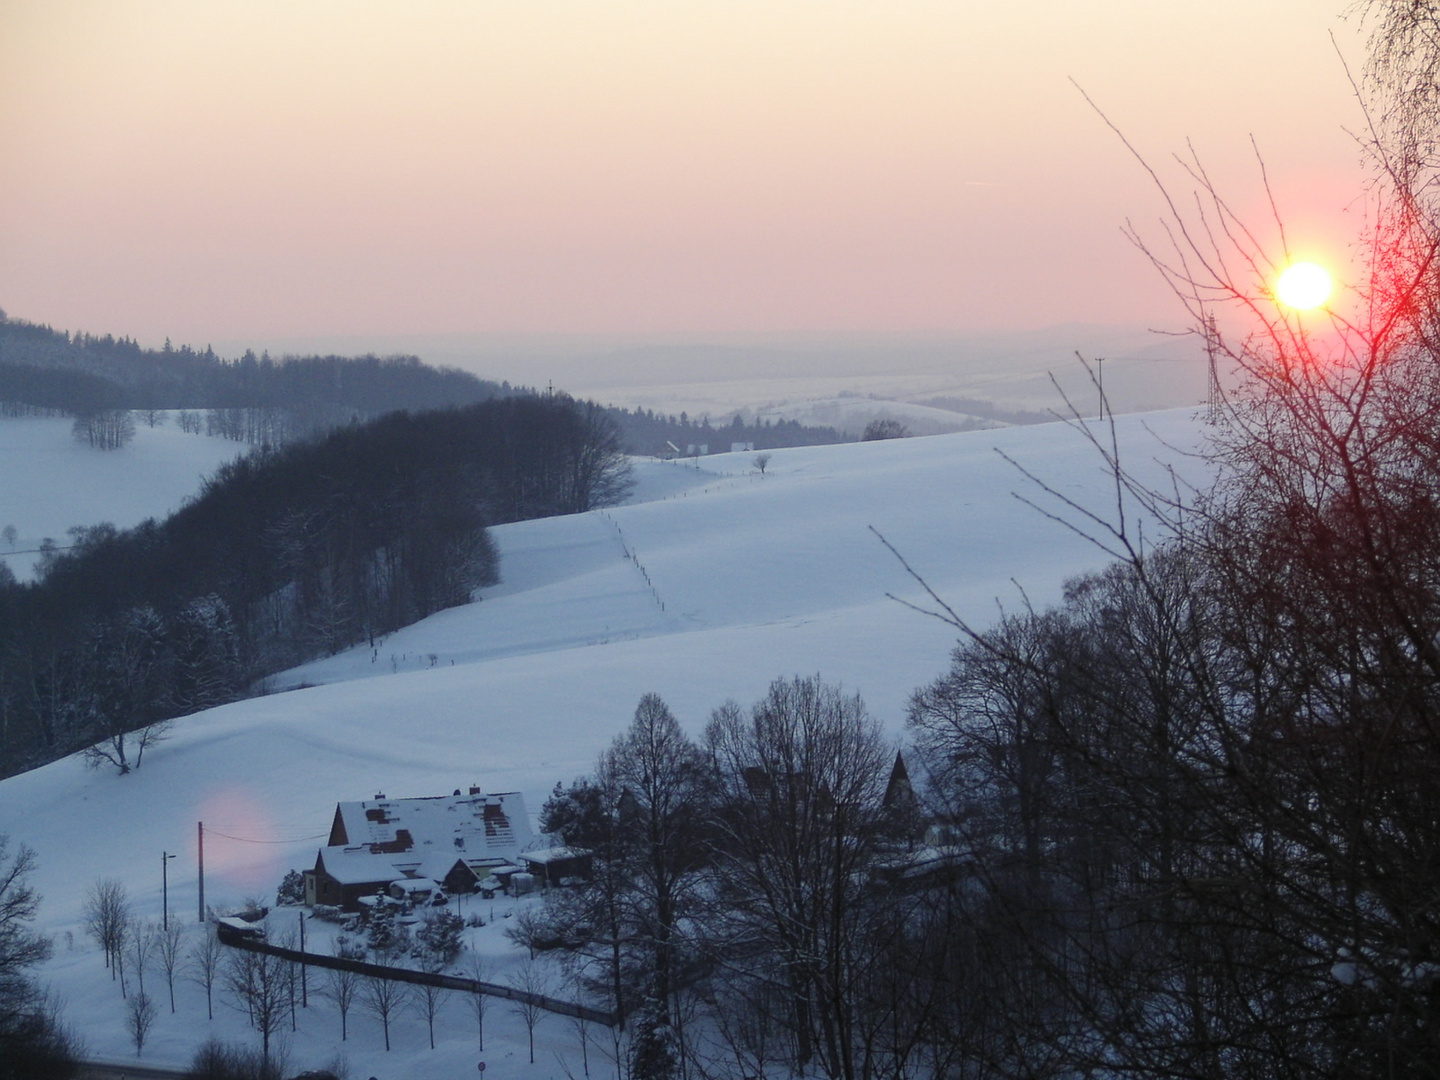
(274, 991)
(152, 963)
(269, 990)
(284, 555)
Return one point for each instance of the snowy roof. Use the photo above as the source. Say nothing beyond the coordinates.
(241, 926)
(384, 839)
(545, 856)
(420, 884)
(469, 826)
(355, 866)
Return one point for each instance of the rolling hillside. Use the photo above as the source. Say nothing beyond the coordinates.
(708, 584)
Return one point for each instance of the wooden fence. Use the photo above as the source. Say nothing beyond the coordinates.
(423, 978)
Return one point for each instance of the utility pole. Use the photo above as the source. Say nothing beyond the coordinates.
(165, 858)
(200, 827)
(304, 998)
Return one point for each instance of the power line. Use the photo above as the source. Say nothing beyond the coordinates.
(251, 840)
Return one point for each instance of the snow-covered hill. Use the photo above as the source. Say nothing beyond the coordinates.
(50, 483)
(710, 583)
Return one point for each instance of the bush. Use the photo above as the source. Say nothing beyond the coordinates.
(219, 1060)
(348, 948)
(34, 1043)
(438, 937)
(292, 890)
(542, 930)
(654, 1052)
(385, 936)
(877, 430)
(250, 909)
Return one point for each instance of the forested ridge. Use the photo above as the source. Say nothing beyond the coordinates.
(267, 402)
(72, 373)
(284, 555)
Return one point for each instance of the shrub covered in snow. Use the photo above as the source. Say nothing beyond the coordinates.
(292, 889)
(438, 937)
(385, 935)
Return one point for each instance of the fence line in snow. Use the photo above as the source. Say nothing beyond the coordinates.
(425, 978)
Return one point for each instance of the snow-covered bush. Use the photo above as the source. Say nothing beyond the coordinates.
(654, 1049)
(541, 929)
(438, 937)
(292, 889)
(331, 913)
(219, 1060)
(348, 948)
(385, 936)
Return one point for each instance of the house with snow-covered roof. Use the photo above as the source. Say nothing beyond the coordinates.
(454, 840)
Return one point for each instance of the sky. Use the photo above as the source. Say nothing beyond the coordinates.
(243, 171)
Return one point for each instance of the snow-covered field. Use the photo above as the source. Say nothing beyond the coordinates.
(50, 483)
(708, 584)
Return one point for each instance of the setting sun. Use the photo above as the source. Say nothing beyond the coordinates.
(1303, 285)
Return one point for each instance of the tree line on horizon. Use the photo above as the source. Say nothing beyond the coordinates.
(646, 431)
(55, 369)
(103, 382)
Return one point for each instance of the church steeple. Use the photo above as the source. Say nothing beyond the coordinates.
(899, 795)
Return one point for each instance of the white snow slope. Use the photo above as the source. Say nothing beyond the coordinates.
(707, 585)
(50, 483)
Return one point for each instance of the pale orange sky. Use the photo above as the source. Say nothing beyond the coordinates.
(223, 171)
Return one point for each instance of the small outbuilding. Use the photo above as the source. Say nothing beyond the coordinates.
(556, 865)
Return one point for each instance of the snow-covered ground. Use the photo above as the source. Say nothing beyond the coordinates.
(708, 584)
(50, 483)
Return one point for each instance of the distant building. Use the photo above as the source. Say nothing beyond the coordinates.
(456, 841)
(741, 447)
